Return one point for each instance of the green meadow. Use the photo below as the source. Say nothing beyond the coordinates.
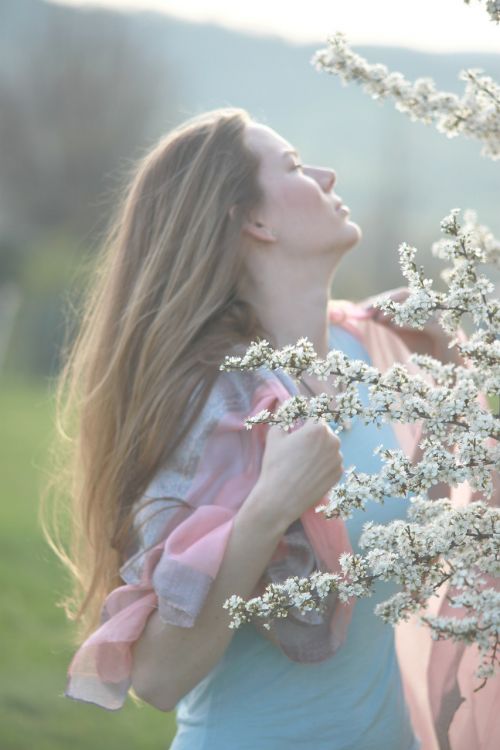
(35, 642)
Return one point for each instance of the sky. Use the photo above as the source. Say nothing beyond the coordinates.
(429, 25)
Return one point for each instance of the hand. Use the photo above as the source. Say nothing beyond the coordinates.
(300, 467)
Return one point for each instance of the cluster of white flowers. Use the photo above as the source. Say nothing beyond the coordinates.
(478, 241)
(439, 542)
(475, 114)
(467, 246)
(492, 8)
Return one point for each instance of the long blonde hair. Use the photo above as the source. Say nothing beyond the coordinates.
(162, 310)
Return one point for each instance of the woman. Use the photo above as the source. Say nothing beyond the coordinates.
(222, 236)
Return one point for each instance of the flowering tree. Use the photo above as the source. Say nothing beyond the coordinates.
(439, 543)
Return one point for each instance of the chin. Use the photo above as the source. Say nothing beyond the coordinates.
(357, 229)
(346, 238)
(351, 236)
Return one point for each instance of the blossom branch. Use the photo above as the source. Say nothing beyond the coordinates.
(439, 544)
(474, 115)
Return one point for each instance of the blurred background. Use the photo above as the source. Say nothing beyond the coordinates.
(85, 89)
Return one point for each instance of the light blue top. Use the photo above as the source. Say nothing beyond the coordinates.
(256, 698)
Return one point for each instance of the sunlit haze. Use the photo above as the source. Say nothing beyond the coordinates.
(430, 25)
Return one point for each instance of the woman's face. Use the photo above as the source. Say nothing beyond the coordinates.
(300, 206)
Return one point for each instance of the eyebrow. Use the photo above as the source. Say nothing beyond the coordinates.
(292, 152)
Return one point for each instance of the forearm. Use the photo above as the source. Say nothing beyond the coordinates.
(169, 660)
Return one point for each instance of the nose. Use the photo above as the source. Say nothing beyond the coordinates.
(328, 179)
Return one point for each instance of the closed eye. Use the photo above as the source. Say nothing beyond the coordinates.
(297, 166)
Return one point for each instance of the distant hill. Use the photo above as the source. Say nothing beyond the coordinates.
(398, 177)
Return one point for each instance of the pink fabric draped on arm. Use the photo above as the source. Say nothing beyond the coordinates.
(176, 573)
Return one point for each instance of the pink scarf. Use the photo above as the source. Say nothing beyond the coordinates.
(188, 546)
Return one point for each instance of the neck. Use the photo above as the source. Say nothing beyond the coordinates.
(290, 311)
(298, 316)
(290, 292)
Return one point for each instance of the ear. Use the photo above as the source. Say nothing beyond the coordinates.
(258, 231)
(255, 229)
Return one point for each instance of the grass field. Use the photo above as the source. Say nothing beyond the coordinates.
(35, 646)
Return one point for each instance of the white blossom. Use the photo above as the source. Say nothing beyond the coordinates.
(437, 543)
(474, 115)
